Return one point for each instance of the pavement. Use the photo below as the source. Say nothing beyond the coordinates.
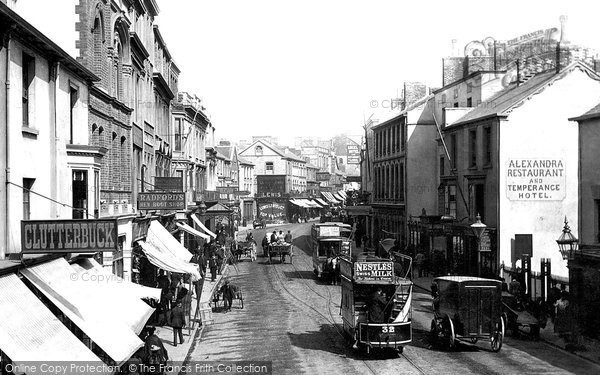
(586, 348)
(193, 330)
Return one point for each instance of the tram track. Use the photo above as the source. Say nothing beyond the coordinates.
(331, 319)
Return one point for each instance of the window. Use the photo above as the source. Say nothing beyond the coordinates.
(394, 139)
(178, 131)
(258, 150)
(27, 186)
(443, 98)
(402, 136)
(469, 87)
(28, 73)
(269, 168)
(80, 201)
(469, 102)
(473, 148)
(96, 194)
(453, 151)
(487, 145)
(476, 200)
(442, 160)
(456, 105)
(451, 200)
(401, 182)
(74, 95)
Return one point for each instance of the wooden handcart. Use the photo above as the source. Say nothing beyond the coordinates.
(281, 250)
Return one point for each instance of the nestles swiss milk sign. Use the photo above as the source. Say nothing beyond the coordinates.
(535, 179)
(374, 271)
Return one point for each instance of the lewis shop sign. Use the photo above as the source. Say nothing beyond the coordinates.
(535, 179)
(68, 236)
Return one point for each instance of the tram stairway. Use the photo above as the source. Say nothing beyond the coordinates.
(401, 298)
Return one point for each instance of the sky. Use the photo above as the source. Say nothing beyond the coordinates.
(320, 67)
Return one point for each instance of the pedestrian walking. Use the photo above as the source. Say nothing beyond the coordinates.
(227, 292)
(155, 354)
(212, 265)
(562, 320)
(419, 262)
(288, 237)
(220, 257)
(265, 245)
(177, 322)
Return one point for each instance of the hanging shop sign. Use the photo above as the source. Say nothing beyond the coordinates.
(374, 271)
(68, 236)
(353, 154)
(535, 179)
(168, 183)
(161, 201)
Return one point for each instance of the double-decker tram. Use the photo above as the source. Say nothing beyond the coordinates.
(376, 302)
(328, 242)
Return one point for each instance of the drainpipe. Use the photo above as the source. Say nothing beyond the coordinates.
(4, 249)
(55, 188)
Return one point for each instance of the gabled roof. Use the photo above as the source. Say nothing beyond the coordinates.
(501, 104)
(221, 156)
(592, 113)
(277, 150)
(241, 160)
(225, 151)
(218, 208)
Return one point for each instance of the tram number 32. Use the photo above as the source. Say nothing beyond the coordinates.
(388, 329)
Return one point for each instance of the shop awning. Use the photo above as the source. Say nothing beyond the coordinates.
(322, 202)
(193, 232)
(165, 260)
(297, 203)
(203, 227)
(329, 197)
(102, 316)
(339, 197)
(315, 204)
(343, 194)
(160, 238)
(30, 332)
(91, 267)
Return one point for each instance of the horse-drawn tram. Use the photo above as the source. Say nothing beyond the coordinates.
(468, 308)
(328, 241)
(376, 303)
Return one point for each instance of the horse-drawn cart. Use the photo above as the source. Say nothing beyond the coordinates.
(281, 249)
(245, 249)
(468, 308)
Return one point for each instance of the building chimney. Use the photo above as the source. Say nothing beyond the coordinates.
(413, 92)
(564, 40)
(453, 51)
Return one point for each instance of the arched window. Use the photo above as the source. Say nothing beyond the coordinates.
(258, 150)
(97, 35)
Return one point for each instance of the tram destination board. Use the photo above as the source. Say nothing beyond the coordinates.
(374, 271)
(161, 201)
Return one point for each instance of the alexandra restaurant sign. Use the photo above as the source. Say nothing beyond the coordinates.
(535, 179)
(68, 236)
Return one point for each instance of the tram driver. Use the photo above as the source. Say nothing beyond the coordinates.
(377, 306)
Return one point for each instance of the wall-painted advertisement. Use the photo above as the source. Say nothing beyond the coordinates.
(272, 211)
(535, 179)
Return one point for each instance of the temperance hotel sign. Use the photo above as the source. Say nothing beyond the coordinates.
(535, 179)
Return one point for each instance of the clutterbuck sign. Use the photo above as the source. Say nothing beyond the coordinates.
(535, 179)
(68, 236)
(373, 271)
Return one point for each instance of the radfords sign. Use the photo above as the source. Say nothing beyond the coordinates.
(68, 236)
(374, 271)
(535, 179)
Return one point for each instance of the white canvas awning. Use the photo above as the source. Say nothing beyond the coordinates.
(315, 204)
(321, 202)
(104, 317)
(160, 238)
(203, 227)
(193, 232)
(91, 267)
(30, 332)
(165, 260)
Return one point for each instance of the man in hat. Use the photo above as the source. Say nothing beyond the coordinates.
(155, 354)
(212, 265)
(377, 306)
(227, 291)
(177, 322)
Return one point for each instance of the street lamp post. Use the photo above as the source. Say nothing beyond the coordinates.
(567, 243)
(478, 229)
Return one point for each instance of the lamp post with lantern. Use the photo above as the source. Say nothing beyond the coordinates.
(567, 243)
(478, 229)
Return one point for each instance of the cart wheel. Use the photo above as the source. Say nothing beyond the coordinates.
(474, 340)
(448, 332)
(497, 337)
